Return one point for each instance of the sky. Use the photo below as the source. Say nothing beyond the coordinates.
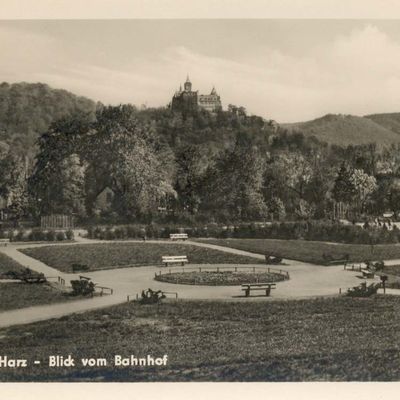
(286, 70)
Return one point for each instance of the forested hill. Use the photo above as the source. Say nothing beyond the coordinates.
(27, 110)
(389, 121)
(346, 130)
(210, 132)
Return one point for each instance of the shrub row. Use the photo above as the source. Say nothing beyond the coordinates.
(36, 235)
(327, 230)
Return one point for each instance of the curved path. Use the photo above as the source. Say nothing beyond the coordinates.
(306, 280)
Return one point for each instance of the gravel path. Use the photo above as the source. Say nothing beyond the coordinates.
(306, 280)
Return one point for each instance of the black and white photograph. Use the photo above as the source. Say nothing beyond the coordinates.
(199, 200)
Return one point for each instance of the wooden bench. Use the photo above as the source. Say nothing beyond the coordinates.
(178, 236)
(86, 278)
(248, 287)
(367, 273)
(4, 242)
(352, 266)
(271, 259)
(174, 260)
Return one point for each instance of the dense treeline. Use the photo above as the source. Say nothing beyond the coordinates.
(168, 166)
(28, 109)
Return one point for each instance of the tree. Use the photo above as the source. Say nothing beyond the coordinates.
(343, 189)
(123, 152)
(61, 190)
(191, 165)
(78, 157)
(233, 184)
(137, 179)
(364, 185)
(13, 181)
(276, 208)
(296, 170)
(305, 210)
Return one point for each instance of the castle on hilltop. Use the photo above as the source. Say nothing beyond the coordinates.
(189, 100)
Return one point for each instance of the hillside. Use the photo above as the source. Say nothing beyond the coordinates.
(27, 110)
(345, 130)
(389, 121)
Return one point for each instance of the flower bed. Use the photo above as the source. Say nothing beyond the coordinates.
(219, 278)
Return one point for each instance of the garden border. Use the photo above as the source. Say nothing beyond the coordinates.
(204, 268)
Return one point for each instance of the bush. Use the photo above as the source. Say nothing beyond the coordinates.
(60, 236)
(20, 236)
(50, 236)
(319, 230)
(38, 235)
(69, 234)
(82, 287)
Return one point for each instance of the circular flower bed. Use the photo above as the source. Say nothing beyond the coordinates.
(214, 278)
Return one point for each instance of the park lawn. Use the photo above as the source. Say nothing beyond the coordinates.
(14, 295)
(8, 264)
(310, 251)
(326, 339)
(115, 255)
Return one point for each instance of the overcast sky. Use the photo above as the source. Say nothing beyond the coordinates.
(287, 70)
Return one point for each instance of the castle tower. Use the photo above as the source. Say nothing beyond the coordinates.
(188, 85)
(188, 100)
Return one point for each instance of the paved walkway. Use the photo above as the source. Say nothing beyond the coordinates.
(305, 280)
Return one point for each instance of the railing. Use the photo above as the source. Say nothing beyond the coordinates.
(103, 289)
(129, 297)
(173, 293)
(60, 281)
(223, 268)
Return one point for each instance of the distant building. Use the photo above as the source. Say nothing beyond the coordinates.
(105, 199)
(189, 100)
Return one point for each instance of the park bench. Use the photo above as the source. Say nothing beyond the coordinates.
(4, 242)
(267, 287)
(368, 273)
(178, 236)
(174, 260)
(330, 260)
(352, 266)
(271, 259)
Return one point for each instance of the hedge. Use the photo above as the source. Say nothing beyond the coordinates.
(36, 235)
(320, 230)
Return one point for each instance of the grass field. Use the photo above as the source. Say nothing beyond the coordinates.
(331, 339)
(20, 295)
(308, 251)
(8, 264)
(113, 255)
